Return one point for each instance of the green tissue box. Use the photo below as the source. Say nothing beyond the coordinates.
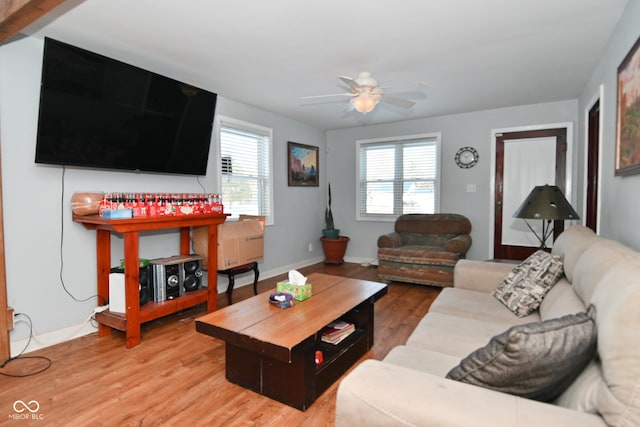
(300, 293)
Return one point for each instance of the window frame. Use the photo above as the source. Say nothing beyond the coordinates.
(225, 121)
(436, 136)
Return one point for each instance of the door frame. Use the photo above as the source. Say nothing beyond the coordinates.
(492, 167)
(597, 97)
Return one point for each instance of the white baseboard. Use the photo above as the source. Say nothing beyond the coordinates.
(52, 338)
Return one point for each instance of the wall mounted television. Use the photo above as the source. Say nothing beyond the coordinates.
(98, 112)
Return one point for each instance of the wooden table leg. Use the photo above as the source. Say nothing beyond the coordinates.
(212, 262)
(231, 272)
(131, 286)
(231, 276)
(103, 256)
(256, 274)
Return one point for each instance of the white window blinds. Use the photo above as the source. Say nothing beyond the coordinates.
(245, 165)
(398, 176)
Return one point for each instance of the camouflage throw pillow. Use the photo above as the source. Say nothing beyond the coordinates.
(523, 289)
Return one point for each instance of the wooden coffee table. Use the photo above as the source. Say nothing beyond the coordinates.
(272, 351)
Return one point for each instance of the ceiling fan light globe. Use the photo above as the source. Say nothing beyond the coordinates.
(364, 104)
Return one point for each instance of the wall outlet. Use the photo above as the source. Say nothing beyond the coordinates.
(471, 188)
(310, 247)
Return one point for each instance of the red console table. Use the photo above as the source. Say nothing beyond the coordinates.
(130, 228)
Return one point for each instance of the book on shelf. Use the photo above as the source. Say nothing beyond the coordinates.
(337, 331)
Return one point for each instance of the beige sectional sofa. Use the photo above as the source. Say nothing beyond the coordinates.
(409, 386)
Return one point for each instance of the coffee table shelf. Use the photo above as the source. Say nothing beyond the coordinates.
(338, 358)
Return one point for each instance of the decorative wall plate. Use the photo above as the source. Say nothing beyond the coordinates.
(467, 157)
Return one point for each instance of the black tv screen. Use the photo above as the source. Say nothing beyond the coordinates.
(98, 112)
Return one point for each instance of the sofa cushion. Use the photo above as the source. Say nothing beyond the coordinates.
(617, 300)
(561, 300)
(571, 244)
(537, 361)
(597, 261)
(582, 394)
(422, 255)
(477, 305)
(433, 362)
(454, 335)
(481, 276)
(438, 224)
(523, 289)
(382, 394)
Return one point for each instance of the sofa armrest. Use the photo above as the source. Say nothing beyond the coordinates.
(383, 394)
(458, 245)
(390, 240)
(481, 276)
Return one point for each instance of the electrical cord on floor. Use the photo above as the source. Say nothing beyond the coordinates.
(21, 357)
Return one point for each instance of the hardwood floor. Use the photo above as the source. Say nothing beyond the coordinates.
(176, 376)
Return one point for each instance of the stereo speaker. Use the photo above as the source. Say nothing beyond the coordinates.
(173, 276)
(145, 277)
(192, 275)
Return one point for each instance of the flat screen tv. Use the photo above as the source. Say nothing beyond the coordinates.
(98, 112)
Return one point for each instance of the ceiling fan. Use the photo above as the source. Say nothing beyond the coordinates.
(364, 94)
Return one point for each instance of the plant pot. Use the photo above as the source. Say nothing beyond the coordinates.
(330, 233)
(334, 249)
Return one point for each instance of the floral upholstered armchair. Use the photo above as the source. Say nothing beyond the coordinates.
(424, 248)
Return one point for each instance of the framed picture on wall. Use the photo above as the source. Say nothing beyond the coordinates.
(628, 125)
(302, 165)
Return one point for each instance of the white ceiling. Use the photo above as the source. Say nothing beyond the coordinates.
(473, 54)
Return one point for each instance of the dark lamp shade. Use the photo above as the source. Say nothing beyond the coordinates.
(546, 202)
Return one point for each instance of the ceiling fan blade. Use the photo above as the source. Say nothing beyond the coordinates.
(316, 99)
(350, 82)
(398, 102)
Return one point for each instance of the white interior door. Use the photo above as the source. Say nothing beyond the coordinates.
(525, 158)
(527, 163)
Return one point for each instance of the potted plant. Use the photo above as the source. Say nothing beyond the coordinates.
(330, 232)
(333, 244)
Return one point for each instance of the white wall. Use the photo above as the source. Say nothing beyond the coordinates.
(39, 232)
(470, 129)
(619, 195)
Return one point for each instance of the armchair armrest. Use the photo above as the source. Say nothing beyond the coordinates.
(383, 394)
(458, 245)
(482, 276)
(390, 240)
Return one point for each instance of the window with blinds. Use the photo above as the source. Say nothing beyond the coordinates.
(245, 168)
(398, 176)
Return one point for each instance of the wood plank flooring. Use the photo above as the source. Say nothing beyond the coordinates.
(176, 376)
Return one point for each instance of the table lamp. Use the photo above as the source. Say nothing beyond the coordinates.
(546, 203)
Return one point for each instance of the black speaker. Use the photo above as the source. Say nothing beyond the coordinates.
(145, 277)
(146, 284)
(192, 275)
(172, 280)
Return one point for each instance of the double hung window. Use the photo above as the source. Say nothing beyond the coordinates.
(398, 176)
(245, 164)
